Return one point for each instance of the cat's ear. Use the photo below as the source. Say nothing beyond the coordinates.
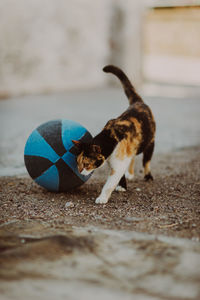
(77, 144)
(96, 148)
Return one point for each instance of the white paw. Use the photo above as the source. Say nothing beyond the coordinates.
(129, 176)
(120, 189)
(101, 200)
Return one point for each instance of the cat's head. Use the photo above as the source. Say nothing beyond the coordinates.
(89, 157)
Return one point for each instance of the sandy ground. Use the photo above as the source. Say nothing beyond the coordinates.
(169, 205)
(142, 245)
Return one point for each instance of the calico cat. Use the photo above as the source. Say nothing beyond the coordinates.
(132, 133)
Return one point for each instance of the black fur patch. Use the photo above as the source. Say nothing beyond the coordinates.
(122, 182)
(148, 177)
(106, 142)
(143, 114)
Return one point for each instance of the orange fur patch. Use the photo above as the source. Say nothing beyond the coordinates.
(131, 166)
(147, 168)
(123, 123)
(125, 148)
(80, 162)
(137, 125)
(121, 151)
(129, 146)
(112, 172)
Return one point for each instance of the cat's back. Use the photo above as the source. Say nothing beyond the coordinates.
(138, 110)
(141, 116)
(141, 112)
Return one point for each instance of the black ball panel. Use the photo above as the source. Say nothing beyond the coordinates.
(36, 165)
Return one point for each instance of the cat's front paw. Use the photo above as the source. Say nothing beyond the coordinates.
(119, 188)
(129, 176)
(101, 200)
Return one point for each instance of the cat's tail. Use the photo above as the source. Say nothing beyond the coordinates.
(128, 87)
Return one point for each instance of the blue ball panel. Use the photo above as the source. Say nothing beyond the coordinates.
(71, 131)
(49, 179)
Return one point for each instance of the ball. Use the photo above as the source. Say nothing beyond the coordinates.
(50, 155)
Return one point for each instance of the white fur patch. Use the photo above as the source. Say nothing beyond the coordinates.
(129, 176)
(86, 172)
(119, 166)
(101, 200)
(120, 189)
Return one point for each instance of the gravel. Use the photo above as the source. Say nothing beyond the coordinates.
(170, 205)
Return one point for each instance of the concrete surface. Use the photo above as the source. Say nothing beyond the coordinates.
(178, 122)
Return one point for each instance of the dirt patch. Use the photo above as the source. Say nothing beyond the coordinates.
(169, 205)
(56, 245)
(122, 265)
(59, 246)
(16, 249)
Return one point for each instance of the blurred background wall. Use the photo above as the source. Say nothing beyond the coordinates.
(172, 42)
(57, 45)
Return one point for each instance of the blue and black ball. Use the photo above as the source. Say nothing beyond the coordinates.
(50, 155)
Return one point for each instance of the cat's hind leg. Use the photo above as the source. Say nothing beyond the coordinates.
(122, 187)
(147, 155)
(130, 171)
